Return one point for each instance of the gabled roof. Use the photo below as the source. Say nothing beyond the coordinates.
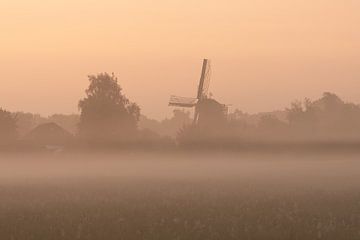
(49, 133)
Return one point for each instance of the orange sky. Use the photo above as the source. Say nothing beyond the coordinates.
(265, 53)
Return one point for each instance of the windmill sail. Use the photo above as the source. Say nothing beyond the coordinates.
(182, 101)
(202, 92)
(203, 85)
(204, 80)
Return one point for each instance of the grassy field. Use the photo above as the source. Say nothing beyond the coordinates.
(182, 197)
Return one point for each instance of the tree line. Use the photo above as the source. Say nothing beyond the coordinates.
(108, 116)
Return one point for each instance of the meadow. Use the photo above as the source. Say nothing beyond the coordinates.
(180, 196)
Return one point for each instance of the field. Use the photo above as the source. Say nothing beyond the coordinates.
(180, 196)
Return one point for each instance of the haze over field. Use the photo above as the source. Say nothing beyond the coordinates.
(109, 130)
(179, 196)
(265, 53)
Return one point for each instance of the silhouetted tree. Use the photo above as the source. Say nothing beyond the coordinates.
(327, 118)
(180, 118)
(7, 126)
(295, 112)
(106, 114)
(169, 126)
(269, 124)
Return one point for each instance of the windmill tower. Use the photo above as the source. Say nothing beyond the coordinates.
(202, 92)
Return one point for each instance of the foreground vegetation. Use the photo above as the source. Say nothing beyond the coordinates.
(265, 199)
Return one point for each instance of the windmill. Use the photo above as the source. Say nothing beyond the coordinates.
(202, 92)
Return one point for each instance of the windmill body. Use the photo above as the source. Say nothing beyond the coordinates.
(202, 93)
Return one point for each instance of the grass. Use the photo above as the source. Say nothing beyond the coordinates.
(214, 206)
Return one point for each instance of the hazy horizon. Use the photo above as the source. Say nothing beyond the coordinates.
(264, 54)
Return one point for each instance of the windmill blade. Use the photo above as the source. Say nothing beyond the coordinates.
(207, 78)
(204, 80)
(182, 101)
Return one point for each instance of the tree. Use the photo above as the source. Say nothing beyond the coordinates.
(327, 118)
(7, 126)
(106, 114)
(168, 127)
(270, 124)
(302, 116)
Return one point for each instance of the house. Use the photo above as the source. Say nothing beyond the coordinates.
(49, 134)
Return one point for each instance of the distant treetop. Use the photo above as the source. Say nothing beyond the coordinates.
(106, 113)
(8, 128)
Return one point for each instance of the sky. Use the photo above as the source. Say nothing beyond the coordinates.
(265, 53)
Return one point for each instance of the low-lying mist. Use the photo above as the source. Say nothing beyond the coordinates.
(171, 166)
(179, 196)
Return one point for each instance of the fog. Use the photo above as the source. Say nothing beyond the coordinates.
(288, 170)
(196, 166)
(194, 195)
